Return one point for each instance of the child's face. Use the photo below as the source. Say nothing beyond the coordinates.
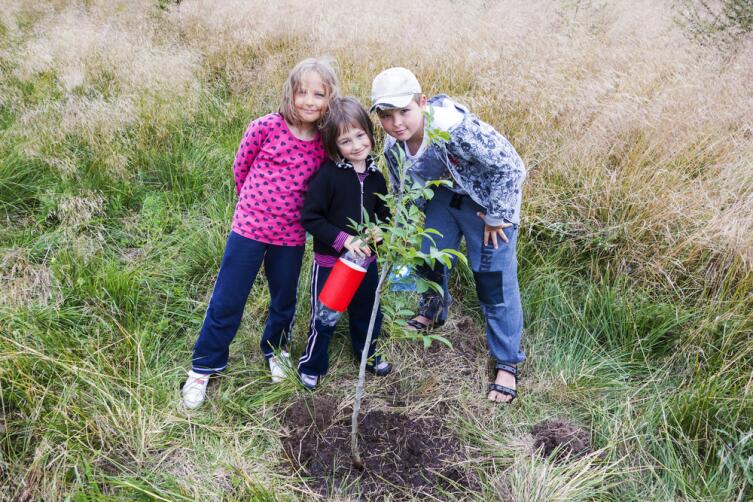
(354, 144)
(403, 123)
(311, 98)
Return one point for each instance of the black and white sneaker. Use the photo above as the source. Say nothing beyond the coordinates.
(382, 368)
(309, 381)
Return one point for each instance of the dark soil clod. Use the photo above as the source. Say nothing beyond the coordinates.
(400, 454)
(562, 438)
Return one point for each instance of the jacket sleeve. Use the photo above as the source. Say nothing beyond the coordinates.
(316, 206)
(492, 164)
(253, 139)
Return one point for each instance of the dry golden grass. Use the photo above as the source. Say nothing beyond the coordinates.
(25, 282)
(639, 141)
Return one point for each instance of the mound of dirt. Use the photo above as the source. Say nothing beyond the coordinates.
(566, 439)
(401, 455)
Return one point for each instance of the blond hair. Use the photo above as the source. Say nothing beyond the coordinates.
(322, 67)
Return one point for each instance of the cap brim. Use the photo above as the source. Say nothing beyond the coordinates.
(389, 102)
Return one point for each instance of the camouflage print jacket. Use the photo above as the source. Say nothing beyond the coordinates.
(478, 159)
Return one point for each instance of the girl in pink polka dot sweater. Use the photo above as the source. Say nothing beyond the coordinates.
(278, 155)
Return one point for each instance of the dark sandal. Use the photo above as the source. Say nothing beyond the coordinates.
(501, 388)
(420, 326)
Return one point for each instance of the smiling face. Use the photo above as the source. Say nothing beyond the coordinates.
(347, 131)
(354, 144)
(310, 98)
(405, 123)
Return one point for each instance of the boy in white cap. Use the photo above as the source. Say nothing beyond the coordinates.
(482, 204)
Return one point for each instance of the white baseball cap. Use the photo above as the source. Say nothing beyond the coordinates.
(393, 88)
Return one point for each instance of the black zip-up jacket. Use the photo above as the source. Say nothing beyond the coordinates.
(334, 195)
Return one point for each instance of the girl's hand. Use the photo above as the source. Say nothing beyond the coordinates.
(356, 245)
(491, 232)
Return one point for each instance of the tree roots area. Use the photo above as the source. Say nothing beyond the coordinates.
(400, 454)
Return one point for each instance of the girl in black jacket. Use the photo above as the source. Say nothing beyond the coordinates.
(343, 189)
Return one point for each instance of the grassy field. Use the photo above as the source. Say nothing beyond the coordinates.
(118, 125)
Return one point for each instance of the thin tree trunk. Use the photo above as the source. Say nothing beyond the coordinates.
(357, 462)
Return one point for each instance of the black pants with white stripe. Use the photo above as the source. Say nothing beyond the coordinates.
(315, 359)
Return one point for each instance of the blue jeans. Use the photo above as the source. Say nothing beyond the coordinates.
(315, 359)
(495, 272)
(240, 264)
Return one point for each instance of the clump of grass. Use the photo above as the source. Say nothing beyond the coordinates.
(725, 22)
(25, 282)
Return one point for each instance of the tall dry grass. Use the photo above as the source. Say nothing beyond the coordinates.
(639, 141)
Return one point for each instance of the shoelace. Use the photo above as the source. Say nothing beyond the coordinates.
(195, 382)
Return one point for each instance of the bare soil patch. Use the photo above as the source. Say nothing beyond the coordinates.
(468, 341)
(561, 438)
(459, 362)
(402, 455)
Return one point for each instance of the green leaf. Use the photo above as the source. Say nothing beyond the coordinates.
(436, 287)
(441, 339)
(421, 285)
(460, 256)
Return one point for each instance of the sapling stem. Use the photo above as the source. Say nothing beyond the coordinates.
(357, 461)
(355, 453)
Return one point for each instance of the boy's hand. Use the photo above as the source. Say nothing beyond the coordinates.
(375, 234)
(356, 245)
(491, 232)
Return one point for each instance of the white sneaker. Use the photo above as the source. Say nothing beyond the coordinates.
(278, 366)
(309, 381)
(194, 390)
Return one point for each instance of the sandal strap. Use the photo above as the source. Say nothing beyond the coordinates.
(420, 326)
(417, 324)
(436, 322)
(509, 368)
(503, 390)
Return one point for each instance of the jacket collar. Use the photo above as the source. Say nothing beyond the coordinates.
(371, 166)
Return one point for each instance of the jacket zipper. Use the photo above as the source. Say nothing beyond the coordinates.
(361, 209)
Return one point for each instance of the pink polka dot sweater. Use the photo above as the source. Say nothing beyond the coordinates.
(272, 170)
